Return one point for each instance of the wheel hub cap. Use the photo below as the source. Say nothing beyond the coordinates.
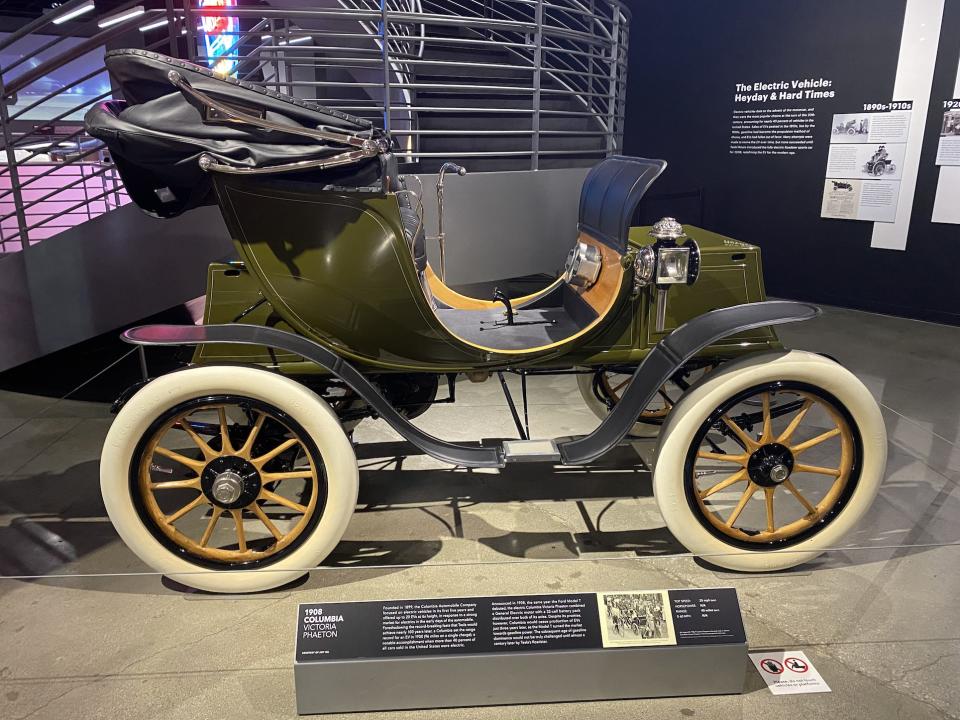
(779, 473)
(230, 482)
(227, 487)
(770, 465)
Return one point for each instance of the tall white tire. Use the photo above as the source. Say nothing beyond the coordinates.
(299, 403)
(693, 409)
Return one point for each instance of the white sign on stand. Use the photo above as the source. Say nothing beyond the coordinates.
(788, 672)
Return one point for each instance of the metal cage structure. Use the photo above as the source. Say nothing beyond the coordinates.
(503, 84)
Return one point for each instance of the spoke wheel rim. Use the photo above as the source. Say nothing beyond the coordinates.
(802, 518)
(613, 384)
(196, 547)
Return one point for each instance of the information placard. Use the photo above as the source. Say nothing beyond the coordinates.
(526, 623)
(865, 163)
(948, 149)
(500, 650)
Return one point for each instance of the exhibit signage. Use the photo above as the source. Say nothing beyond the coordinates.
(519, 648)
(865, 163)
(758, 129)
(948, 149)
(406, 628)
(788, 672)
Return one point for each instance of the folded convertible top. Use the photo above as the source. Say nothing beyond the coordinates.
(175, 114)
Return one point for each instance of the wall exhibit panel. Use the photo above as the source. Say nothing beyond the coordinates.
(915, 66)
(946, 203)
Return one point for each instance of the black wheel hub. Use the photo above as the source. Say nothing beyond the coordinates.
(770, 465)
(230, 482)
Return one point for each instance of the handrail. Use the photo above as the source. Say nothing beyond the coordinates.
(68, 56)
(429, 71)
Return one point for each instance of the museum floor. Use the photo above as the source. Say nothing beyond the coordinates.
(878, 617)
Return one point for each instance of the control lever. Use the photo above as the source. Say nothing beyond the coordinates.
(441, 235)
(500, 296)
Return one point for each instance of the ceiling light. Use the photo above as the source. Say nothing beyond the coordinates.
(71, 14)
(120, 17)
(153, 25)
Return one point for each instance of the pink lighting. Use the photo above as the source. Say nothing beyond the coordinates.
(43, 216)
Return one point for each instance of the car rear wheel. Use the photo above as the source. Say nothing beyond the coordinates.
(215, 470)
(603, 388)
(769, 461)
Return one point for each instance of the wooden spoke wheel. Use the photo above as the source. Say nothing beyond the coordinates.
(214, 470)
(773, 452)
(603, 389)
(228, 492)
(753, 477)
(612, 386)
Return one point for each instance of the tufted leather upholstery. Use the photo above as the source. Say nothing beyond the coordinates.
(413, 230)
(610, 195)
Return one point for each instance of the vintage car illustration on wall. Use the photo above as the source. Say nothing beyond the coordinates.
(242, 460)
(840, 185)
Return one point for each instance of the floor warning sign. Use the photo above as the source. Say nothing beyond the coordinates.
(788, 672)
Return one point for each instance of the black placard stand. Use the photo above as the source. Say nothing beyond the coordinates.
(455, 652)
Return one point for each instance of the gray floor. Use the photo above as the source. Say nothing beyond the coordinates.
(879, 617)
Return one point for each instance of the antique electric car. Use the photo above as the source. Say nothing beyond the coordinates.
(243, 459)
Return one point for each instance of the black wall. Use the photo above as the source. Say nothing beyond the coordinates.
(685, 58)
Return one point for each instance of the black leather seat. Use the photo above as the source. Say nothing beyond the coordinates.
(610, 195)
(413, 229)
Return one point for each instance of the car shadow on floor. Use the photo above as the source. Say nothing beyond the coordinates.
(57, 523)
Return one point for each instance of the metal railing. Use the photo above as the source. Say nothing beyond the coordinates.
(55, 176)
(523, 83)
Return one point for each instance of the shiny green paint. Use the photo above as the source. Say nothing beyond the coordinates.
(349, 283)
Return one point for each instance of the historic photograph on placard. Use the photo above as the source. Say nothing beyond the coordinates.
(632, 619)
(948, 151)
(951, 124)
(841, 199)
(853, 128)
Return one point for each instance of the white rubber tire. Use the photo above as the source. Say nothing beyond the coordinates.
(302, 405)
(717, 387)
(598, 408)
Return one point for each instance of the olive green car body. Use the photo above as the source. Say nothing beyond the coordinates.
(350, 284)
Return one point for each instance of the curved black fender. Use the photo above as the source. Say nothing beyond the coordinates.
(667, 357)
(662, 361)
(233, 333)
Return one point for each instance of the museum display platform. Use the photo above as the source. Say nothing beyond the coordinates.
(877, 616)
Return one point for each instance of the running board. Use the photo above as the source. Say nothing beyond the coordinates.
(530, 451)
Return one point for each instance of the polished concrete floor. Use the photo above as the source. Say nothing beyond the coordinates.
(99, 636)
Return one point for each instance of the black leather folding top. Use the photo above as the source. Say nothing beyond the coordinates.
(610, 195)
(142, 75)
(156, 135)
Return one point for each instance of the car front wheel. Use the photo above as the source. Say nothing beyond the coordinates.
(769, 461)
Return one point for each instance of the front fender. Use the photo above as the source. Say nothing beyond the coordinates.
(668, 356)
